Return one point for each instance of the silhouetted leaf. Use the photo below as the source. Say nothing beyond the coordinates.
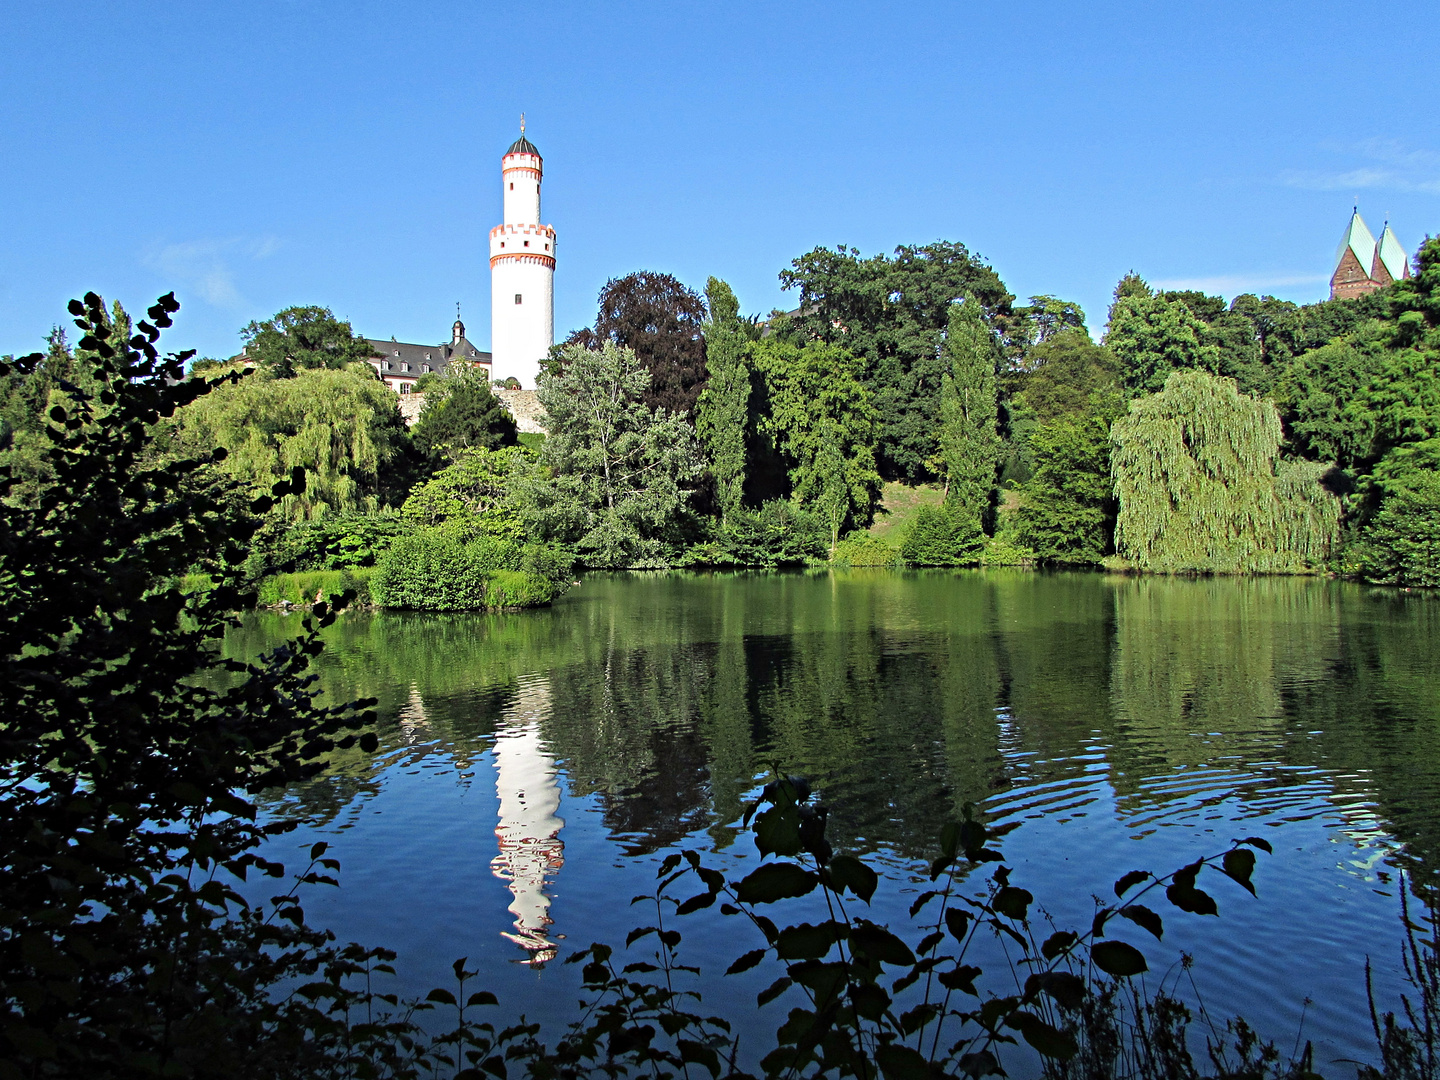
(1057, 943)
(870, 1000)
(1118, 959)
(962, 977)
(806, 942)
(774, 990)
(1013, 902)
(1238, 864)
(1141, 915)
(901, 1063)
(774, 881)
(958, 923)
(1067, 988)
(746, 962)
(1047, 1040)
(1133, 878)
(777, 831)
(879, 944)
(921, 900)
(695, 903)
(1189, 898)
(1259, 842)
(848, 872)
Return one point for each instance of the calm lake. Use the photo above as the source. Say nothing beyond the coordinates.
(536, 766)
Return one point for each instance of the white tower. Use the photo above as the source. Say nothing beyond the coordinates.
(522, 271)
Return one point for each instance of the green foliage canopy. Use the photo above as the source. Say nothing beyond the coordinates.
(822, 422)
(476, 491)
(342, 426)
(969, 411)
(616, 476)
(1066, 513)
(894, 311)
(1201, 486)
(460, 411)
(301, 338)
(1401, 545)
(1153, 335)
(722, 412)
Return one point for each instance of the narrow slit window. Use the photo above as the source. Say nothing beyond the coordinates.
(512, 186)
(517, 298)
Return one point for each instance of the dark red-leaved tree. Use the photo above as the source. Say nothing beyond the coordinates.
(660, 319)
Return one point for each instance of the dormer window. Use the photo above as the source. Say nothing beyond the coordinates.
(404, 367)
(424, 367)
(387, 365)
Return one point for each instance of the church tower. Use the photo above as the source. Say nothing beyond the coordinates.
(522, 270)
(1364, 264)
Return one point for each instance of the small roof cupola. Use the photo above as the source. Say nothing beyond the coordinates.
(457, 332)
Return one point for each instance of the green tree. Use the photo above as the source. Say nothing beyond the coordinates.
(1323, 393)
(60, 378)
(1066, 512)
(1063, 374)
(299, 338)
(1152, 336)
(969, 412)
(1201, 486)
(893, 312)
(722, 411)
(129, 753)
(475, 492)
(821, 421)
(1044, 318)
(1401, 544)
(343, 427)
(945, 535)
(661, 320)
(460, 412)
(617, 476)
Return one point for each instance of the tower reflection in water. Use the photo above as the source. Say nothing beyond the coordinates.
(529, 830)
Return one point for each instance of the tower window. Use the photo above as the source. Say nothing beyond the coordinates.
(527, 243)
(512, 186)
(517, 297)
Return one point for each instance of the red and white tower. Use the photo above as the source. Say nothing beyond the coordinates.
(522, 271)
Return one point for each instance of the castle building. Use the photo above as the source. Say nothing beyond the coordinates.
(401, 363)
(522, 270)
(1364, 264)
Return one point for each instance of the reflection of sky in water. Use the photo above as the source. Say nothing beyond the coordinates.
(1134, 755)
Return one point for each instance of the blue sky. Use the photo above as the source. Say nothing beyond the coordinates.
(253, 156)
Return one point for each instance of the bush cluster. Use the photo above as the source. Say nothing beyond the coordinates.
(947, 535)
(442, 569)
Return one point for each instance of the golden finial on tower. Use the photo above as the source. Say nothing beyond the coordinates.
(522, 123)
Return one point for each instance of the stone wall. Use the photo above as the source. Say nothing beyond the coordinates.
(524, 406)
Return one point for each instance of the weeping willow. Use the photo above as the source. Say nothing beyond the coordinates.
(1202, 488)
(342, 426)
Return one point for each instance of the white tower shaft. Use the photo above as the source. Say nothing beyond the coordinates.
(522, 272)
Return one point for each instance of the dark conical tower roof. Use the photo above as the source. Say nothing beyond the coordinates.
(522, 145)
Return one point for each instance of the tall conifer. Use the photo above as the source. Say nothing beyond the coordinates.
(969, 437)
(724, 405)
